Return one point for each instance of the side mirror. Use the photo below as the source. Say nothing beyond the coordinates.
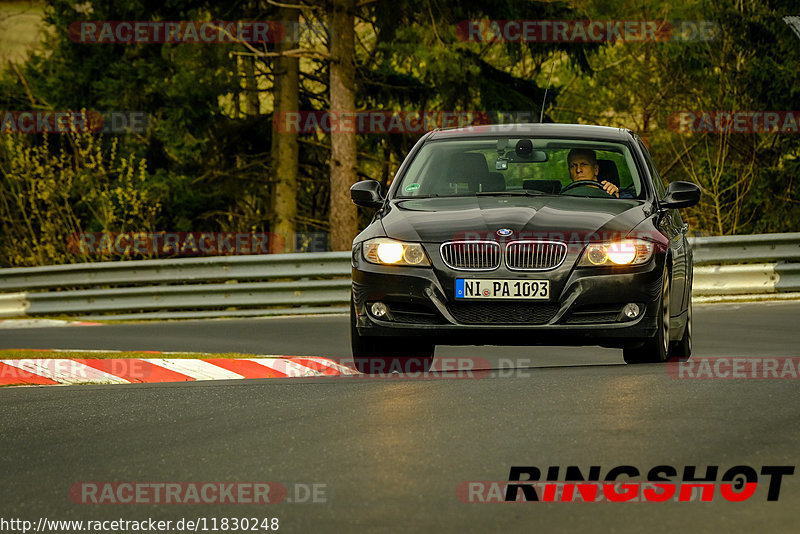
(681, 195)
(367, 194)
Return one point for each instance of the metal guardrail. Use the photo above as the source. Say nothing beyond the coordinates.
(219, 286)
(212, 268)
(226, 286)
(749, 279)
(756, 248)
(746, 264)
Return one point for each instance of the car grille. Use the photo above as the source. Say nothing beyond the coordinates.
(416, 318)
(597, 314)
(502, 312)
(414, 314)
(593, 317)
(535, 255)
(471, 255)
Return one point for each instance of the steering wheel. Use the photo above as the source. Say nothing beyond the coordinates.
(585, 183)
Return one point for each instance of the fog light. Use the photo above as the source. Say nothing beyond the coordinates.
(379, 309)
(631, 310)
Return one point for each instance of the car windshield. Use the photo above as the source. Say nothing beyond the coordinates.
(521, 166)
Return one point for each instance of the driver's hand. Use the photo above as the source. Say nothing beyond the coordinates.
(610, 188)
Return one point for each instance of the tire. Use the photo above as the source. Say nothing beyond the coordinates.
(385, 354)
(682, 350)
(656, 348)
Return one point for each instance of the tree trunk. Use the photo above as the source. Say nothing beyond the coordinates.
(285, 151)
(252, 107)
(343, 216)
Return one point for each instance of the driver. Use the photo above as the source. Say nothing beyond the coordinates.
(583, 166)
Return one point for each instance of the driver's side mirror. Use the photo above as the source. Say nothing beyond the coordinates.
(367, 194)
(681, 195)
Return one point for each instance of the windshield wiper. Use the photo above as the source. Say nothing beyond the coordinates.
(513, 193)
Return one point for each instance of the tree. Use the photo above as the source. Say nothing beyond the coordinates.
(343, 163)
(285, 148)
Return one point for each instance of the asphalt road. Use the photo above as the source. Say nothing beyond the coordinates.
(391, 452)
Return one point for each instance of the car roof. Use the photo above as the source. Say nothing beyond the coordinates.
(578, 131)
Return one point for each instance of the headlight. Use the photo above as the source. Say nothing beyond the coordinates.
(624, 252)
(385, 251)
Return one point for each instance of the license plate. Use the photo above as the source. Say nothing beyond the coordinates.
(471, 288)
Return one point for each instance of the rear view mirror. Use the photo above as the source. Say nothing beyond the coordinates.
(681, 195)
(534, 156)
(366, 194)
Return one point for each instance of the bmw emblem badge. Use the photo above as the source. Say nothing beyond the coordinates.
(504, 232)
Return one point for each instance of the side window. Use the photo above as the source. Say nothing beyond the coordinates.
(657, 182)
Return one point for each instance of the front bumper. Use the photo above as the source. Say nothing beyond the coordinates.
(584, 308)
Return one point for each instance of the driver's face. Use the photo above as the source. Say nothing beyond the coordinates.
(582, 168)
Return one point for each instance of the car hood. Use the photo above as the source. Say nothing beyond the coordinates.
(480, 217)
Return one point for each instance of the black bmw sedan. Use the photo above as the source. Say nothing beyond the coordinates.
(548, 234)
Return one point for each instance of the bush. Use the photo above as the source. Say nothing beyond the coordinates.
(54, 186)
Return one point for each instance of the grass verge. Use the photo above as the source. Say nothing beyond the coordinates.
(19, 354)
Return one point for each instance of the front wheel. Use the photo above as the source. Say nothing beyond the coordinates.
(656, 348)
(682, 350)
(385, 354)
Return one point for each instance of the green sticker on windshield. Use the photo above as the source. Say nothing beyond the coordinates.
(412, 187)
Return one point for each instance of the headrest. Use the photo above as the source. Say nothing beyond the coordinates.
(494, 181)
(608, 171)
(469, 164)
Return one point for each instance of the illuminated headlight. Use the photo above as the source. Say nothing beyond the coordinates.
(385, 251)
(625, 252)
